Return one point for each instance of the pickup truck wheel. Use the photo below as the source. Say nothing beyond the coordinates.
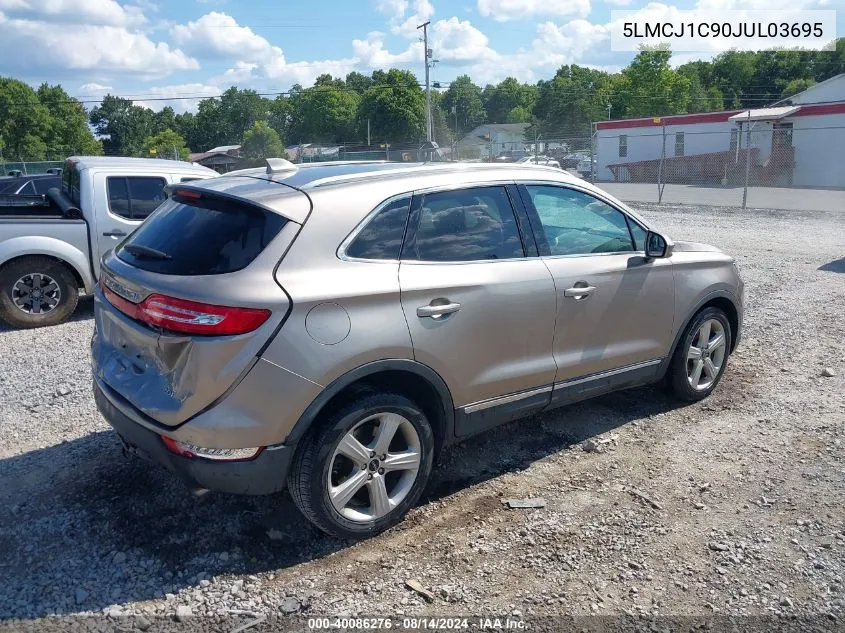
(36, 291)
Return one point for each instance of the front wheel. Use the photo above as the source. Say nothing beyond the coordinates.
(367, 465)
(36, 291)
(701, 356)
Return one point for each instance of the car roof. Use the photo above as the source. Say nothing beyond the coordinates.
(314, 175)
(262, 188)
(122, 162)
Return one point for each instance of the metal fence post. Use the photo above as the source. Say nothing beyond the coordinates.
(660, 183)
(593, 135)
(747, 159)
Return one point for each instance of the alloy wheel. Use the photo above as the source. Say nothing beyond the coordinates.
(36, 293)
(706, 355)
(374, 467)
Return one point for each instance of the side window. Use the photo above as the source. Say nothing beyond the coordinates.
(679, 144)
(576, 223)
(382, 237)
(135, 197)
(623, 146)
(638, 233)
(465, 225)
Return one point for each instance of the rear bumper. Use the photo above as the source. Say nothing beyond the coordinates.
(265, 474)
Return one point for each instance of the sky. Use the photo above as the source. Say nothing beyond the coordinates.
(189, 49)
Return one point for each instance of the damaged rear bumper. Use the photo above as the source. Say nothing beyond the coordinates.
(265, 474)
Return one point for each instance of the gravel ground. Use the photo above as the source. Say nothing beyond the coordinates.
(730, 506)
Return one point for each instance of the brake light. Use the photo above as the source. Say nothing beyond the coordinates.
(188, 317)
(187, 193)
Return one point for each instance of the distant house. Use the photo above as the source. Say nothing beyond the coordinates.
(221, 159)
(493, 139)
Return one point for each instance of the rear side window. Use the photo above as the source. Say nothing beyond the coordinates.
(135, 197)
(382, 237)
(200, 237)
(465, 225)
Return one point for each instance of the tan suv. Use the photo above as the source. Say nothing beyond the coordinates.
(331, 327)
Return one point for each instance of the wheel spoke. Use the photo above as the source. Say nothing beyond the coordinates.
(387, 427)
(695, 378)
(716, 342)
(23, 289)
(379, 499)
(353, 449)
(710, 369)
(407, 460)
(51, 287)
(704, 334)
(36, 306)
(340, 495)
(36, 281)
(694, 353)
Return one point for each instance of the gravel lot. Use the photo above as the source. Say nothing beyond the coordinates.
(730, 506)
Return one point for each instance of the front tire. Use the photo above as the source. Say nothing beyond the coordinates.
(360, 472)
(36, 291)
(701, 356)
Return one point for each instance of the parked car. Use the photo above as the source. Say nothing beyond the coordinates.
(37, 184)
(50, 247)
(539, 160)
(332, 328)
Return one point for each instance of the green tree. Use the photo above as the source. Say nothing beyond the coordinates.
(166, 144)
(465, 97)
(358, 82)
(568, 103)
(395, 106)
(501, 100)
(24, 121)
(735, 73)
(324, 113)
(67, 132)
(260, 142)
(795, 86)
(650, 87)
(123, 126)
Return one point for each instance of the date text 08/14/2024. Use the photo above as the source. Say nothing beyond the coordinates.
(419, 623)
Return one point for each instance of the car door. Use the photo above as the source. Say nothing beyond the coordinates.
(479, 307)
(122, 203)
(615, 307)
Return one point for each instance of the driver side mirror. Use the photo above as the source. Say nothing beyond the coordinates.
(656, 245)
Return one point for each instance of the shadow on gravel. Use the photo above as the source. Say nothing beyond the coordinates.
(82, 527)
(84, 311)
(836, 266)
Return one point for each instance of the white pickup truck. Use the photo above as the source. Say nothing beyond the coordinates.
(50, 248)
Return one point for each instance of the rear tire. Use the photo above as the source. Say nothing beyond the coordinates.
(37, 291)
(701, 357)
(347, 452)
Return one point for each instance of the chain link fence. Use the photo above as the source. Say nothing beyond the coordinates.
(762, 164)
(28, 168)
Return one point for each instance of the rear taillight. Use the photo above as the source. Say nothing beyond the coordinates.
(188, 317)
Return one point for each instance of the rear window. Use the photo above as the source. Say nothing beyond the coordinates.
(203, 237)
(135, 197)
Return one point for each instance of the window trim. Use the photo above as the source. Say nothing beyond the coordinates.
(542, 241)
(413, 221)
(129, 196)
(341, 249)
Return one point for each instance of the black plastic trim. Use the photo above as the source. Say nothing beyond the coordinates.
(424, 371)
(468, 424)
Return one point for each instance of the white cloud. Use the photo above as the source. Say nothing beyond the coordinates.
(458, 40)
(371, 53)
(392, 8)
(218, 35)
(82, 12)
(507, 10)
(190, 94)
(100, 49)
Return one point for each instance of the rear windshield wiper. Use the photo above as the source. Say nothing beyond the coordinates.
(140, 250)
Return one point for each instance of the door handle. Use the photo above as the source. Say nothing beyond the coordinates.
(115, 233)
(436, 311)
(579, 292)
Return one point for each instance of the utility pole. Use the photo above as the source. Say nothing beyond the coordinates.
(368, 131)
(426, 56)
